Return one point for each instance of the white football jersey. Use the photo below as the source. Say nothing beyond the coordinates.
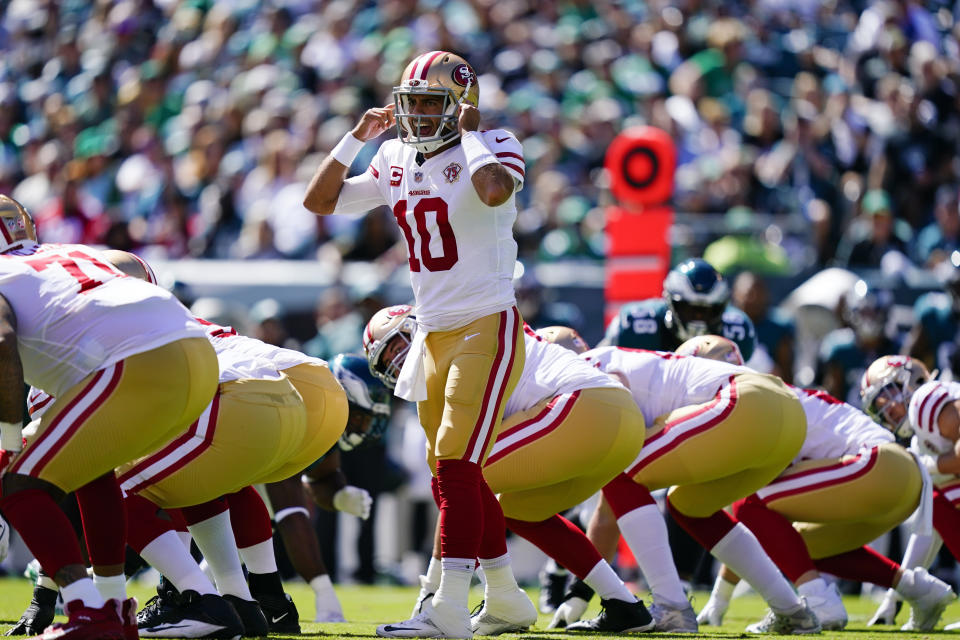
(461, 252)
(835, 428)
(77, 313)
(926, 403)
(550, 370)
(234, 363)
(661, 381)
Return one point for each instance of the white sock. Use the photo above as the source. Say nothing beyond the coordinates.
(741, 551)
(111, 586)
(907, 587)
(259, 557)
(324, 595)
(605, 582)
(499, 574)
(185, 538)
(455, 581)
(83, 590)
(812, 587)
(646, 534)
(215, 538)
(722, 590)
(434, 569)
(168, 556)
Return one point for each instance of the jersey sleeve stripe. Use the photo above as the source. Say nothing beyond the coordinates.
(373, 170)
(509, 154)
(514, 167)
(921, 412)
(934, 412)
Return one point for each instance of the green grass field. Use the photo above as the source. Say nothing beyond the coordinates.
(368, 606)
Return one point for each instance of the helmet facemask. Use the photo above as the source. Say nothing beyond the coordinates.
(443, 127)
(689, 319)
(388, 372)
(886, 393)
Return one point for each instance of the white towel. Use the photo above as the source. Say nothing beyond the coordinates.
(412, 381)
(924, 512)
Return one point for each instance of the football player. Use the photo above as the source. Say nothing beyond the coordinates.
(849, 484)
(568, 430)
(695, 301)
(75, 326)
(451, 190)
(898, 392)
(846, 352)
(324, 481)
(718, 432)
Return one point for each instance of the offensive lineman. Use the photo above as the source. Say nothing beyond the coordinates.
(568, 430)
(451, 190)
(849, 484)
(78, 328)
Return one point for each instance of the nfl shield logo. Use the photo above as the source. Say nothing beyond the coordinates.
(418, 176)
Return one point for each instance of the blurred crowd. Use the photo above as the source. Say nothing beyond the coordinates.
(192, 126)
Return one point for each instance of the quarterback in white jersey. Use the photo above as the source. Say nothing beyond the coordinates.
(451, 189)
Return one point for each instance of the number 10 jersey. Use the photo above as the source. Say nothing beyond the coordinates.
(461, 252)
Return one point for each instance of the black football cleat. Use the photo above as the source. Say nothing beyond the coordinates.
(617, 616)
(39, 614)
(191, 615)
(251, 615)
(281, 613)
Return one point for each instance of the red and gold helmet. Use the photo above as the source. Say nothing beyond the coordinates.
(442, 74)
(17, 226)
(565, 337)
(387, 324)
(712, 348)
(886, 388)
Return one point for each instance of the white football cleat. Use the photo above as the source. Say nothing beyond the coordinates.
(674, 618)
(512, 614)
(436, 620)
(828, 605)
(799, 621)
(712, 613)
(928, 597)
(426, 593)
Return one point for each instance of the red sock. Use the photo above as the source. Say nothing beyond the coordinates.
(863, 565)
(144, 524)
(44, 527)
(104, 520)
(249, 518)
(625, 495)
(461, 508)
(779, 539)
(946, 520)
(561, 540)
(205, 511)
(493, 544)
(707, 531)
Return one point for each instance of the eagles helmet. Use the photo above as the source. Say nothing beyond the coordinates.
(368, 398)
(397, 322)
(712, 348)
(16, 225)
(437, 73)
(866, 309)
(696, 296)
(886, 388)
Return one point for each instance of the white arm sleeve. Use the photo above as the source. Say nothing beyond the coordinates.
(359, 195)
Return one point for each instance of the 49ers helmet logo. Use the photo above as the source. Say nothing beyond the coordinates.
(463, 75)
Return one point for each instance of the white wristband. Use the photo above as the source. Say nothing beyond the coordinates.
(11, 436)
(347, 149)
(476, 152)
